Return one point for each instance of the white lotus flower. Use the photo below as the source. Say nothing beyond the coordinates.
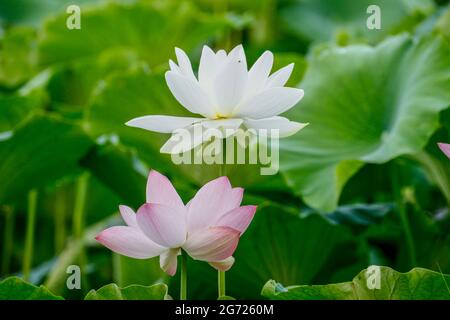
(227, 95)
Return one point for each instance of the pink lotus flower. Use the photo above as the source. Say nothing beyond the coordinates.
(445, 147)
(207, 228)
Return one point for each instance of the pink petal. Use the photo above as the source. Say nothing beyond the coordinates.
(238, 218)
(168, 261)
(208, 204)
(161, 190)
(233, 199)
(128, 215)
(163, 224)
(223, 265)
(129, 241)
(212, 244)
(445, 147)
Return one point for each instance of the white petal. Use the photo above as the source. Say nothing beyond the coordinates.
(222, 123)
(258, 74)
(189, 93)
(221, 57)
(279, 78)
(270, 102)
(238, 52)
(184, 64)
(207, 67)
(174, 67)
(163, 124)
(222, 128)
(284, 126)
(183, 140)
(229, 83)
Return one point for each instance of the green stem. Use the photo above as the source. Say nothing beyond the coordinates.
(117, 269)
(221, 274)
(60, 224)
(8, 239)
(78, 221)
(29, 236)
(183, 280)
(221, 283)
(404, 216)
(262, 32)
(80, 203)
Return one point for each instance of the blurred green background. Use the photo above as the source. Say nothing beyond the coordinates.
(363, 184)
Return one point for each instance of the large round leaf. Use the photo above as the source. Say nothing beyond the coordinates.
(39, 151)
(17, 56)
(365, 104)
(324, 20)
(443, 24)
(14, 288)
(15, 108)
(32, 12)
(135, 292)
(148, 29)
(71, 87)
(417, 284)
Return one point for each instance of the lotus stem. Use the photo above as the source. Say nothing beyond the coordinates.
(60, 225)
(221, 283)
(80, 203)
(404, 217)
(29, 236)
(183, 279)
(78, 220)
(7, 239)
(221, 274)
(117, 269)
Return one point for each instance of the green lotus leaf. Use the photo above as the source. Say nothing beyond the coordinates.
(148, 29)
(50, 148)
(443, 24)
(14, 288)
(133, 292)
(374, 283)
(15, 108)
(322, 20)
(364, 104)
(17, 56)
(32, 12)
